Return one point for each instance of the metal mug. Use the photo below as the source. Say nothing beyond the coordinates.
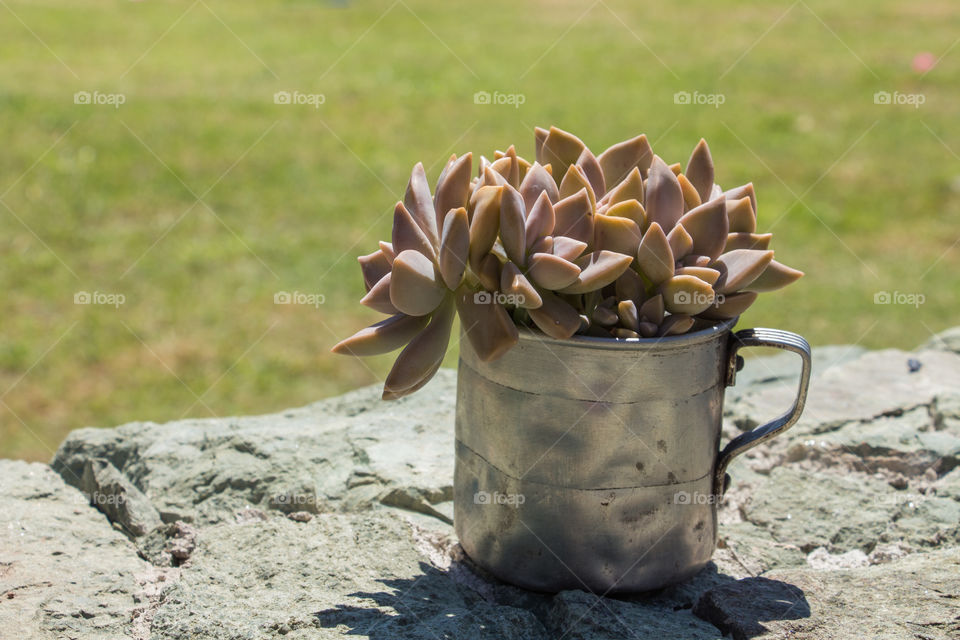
(595, 464)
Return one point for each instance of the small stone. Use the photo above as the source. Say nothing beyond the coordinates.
(300, 516)
(914, 365)
(899, 482)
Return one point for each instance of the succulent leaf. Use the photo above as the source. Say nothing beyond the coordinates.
(422, 357)
(515, 283)
(556, 317)
(691, 198)
(575, 180)
(629, 317)
(568, 248)
(378, 298)
(681, 242)
(619, 159)
(591, 168)
(485, 223)
(675, 325)
(700, 170)
(775, 276)
(616, 234)
(739, 268)
(385, 336)
(597, 270)
(730, 307)
(647, 329)
(416, 287)
(631, 209)
(574, 217)
(605, 316)
(540, 220)
(407, 234)
(552, 272)
(489, 272)
(686, 294)
(419, 202)
(631, 188)
(664, 199)
(654, 255)
(629, 286)
(493, 178)
(708, 275)
(745, 240)
(373, 266)
(508, 166)
(560, 149)
(537, 181)
(454, 247)
(487, 325)
(543, 245)
(512, 225)
(707, 225)
(540, 136)
(388, 251)
(744, 191)
(453, 187)
(652, 311)
(741, 216)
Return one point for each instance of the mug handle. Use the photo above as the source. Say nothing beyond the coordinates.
(761, 338)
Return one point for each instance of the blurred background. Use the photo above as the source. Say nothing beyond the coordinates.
(170, 170)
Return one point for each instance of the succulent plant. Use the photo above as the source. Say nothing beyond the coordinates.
(619, 246)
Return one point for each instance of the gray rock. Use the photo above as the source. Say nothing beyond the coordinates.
(914, 597)
(65, 572)
(876, 384)
(341, 454)
(846, 512)
(739, 609)
(583, 616)
(109, 491)
(336, 574)
(948, 340)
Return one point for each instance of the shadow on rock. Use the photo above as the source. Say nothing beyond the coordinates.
(429, 606)
(738, 608)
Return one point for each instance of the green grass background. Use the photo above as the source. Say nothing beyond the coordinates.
(863, 197)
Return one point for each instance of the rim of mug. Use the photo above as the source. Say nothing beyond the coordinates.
(694, 337)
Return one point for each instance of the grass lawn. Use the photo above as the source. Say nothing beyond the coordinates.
(199, 198)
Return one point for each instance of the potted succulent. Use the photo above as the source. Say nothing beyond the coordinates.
(596, 297)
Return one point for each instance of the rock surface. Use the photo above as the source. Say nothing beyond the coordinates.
(334, 520)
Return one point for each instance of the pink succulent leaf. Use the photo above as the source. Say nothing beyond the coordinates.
(385, 336)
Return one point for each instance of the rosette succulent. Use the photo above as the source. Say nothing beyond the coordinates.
(620, 246)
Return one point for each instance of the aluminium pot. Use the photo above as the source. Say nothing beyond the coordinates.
(595, 464)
